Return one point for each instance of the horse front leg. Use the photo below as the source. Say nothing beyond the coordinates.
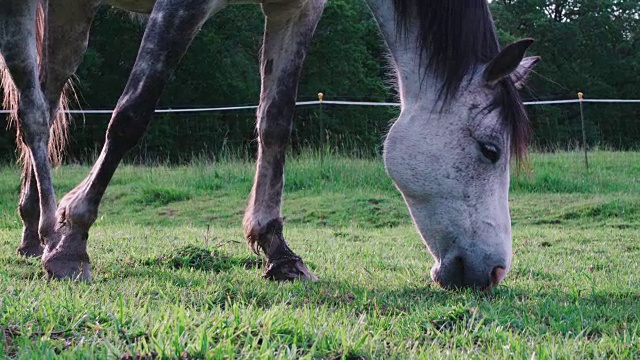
(289, 29)
(67, 36)
(171, 27)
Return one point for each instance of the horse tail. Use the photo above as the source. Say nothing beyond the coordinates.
(60, 126)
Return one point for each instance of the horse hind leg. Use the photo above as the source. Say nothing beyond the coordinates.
(170, 29)
(288, 33)
(18, 47)
(29, 203)
(29, 210)
(67, 36)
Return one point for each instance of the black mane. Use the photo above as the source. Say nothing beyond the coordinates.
(456, 36)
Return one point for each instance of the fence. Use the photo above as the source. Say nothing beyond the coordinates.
(321, 101)
(232, 129)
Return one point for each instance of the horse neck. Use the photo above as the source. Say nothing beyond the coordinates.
(415, 86)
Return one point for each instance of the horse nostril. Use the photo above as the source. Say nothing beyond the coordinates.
(459, 265)
(457, 271)
(497, 275)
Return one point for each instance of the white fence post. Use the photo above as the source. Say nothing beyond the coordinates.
(584, 131)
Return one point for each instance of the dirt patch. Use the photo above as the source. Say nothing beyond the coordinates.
(455, 317)
(10, 333)
(346, 356)
(168, 212)
(139, 356)
(350, 237)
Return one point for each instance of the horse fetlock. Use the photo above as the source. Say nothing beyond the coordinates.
(65, 255)
(282, 263)
(30, 244)
(29, 210)
(77, 212)
(263, 237)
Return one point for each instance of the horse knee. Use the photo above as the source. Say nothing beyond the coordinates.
(275, 134)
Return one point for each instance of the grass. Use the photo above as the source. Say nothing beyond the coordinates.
(173, 277)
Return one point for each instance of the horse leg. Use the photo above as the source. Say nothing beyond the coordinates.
(18, 46)
(171, 27)
(67, 37)
(29, 210)
(288, 33)
(68, 25)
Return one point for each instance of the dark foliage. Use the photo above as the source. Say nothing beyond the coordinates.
(591, 46)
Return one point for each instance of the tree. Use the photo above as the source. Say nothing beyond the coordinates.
(588, 45)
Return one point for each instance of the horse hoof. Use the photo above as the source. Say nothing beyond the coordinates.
(63, 268)
(288, 270)
(73, 272)
(31, 251)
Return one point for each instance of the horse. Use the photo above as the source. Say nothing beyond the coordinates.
(448, 153)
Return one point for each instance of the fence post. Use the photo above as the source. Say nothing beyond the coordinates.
(584, 131)
(322, 144)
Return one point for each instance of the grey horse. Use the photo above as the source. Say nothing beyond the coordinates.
(448, 153)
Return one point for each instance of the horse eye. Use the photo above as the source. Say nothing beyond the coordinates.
(490, 151)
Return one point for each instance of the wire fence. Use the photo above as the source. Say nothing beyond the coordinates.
(334, 102)
(354, 127)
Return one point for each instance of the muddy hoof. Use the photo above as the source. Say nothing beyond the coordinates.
(288, 269)
(31, 251)
(64, 267)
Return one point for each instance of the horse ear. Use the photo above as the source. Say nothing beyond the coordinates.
(520, 75)
(508, 62)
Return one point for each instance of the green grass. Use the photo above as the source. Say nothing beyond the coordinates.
(174, 278)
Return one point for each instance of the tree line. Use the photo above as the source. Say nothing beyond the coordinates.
(591, 46)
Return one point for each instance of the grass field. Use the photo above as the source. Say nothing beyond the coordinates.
(174, 278)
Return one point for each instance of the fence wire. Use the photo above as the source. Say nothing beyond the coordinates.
(354, 127)
(333, 102)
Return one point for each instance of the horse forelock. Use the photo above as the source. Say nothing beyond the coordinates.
(455, 37)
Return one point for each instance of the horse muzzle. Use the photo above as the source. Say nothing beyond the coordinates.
(460, 271)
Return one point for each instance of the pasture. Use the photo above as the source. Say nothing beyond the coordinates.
(174, 277)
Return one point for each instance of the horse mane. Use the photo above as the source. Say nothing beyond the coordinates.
(455, 36)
